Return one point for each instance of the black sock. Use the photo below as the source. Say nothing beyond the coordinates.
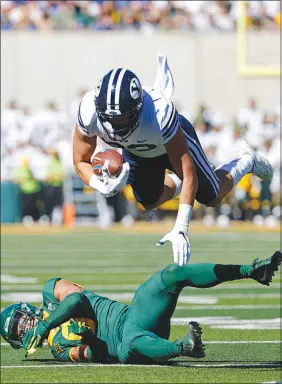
(227, 272)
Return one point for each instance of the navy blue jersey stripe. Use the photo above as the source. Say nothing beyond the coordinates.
(114, 85)
(198, 157)
(167, 126)
(200, 165)
(208, 171)
(171, 128)
(198, 146)
(200, 149)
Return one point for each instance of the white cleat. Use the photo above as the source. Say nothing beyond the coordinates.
(261, 166)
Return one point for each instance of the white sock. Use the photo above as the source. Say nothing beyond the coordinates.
(177, 182)
(238, 168)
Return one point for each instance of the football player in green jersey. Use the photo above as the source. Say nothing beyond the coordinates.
(83, 326)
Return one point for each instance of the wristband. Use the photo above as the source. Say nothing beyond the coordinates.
(184, 215)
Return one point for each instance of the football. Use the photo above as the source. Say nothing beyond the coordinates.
(114, 166)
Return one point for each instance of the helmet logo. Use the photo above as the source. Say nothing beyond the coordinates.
(135, 88)
(6, 326)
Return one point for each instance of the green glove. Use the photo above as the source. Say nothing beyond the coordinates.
(34, 338)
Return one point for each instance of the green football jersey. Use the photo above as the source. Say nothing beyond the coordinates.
(107, 324)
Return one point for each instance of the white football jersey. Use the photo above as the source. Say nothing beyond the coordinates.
(158, 124)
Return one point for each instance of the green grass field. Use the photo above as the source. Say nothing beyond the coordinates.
(241, 320)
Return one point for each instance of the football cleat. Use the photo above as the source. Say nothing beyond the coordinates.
(261, 166)
(191, 344)
(263, 271)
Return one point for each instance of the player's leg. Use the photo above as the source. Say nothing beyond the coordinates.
(249, 161)
(214, 186)
(175, 278)
(208, 182)
(147, 326)
(147, 347)
(148, 180)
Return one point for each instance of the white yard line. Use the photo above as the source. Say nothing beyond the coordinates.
(220, 307)
(35, 297)
(128, 296)
(124, 287)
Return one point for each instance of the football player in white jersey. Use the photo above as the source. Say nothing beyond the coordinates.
(154, 137)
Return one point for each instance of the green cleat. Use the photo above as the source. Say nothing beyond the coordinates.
(263, 271)
(191, 344)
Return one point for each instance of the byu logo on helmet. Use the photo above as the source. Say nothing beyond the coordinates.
(135, 88)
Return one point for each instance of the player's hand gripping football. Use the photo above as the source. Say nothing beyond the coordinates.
(110, 186)
(113, 186)
(180, 243)
(34, 338)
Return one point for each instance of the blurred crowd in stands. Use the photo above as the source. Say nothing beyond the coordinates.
(36, 150)
(192, 15)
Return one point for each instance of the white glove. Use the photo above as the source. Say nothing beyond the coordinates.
(109, 186)
(179, 235)
(180, 244)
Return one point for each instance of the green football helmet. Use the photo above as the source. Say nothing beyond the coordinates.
(16, 320)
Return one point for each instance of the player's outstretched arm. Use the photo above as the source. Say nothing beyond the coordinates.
(83, 148)
(73, 302)
(182, 162)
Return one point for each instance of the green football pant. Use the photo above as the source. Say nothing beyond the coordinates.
(147, 326)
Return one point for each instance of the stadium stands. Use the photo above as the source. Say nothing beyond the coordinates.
(203, 15)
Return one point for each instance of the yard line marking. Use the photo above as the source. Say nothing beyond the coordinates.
(35, 297)
(17, 279)
(171, 365)
(229, 322)
(248, 295)
(216, 307)
(244, 342)
(212, 342)
(120, 287)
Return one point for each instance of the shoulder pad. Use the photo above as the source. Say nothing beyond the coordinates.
(87, 113)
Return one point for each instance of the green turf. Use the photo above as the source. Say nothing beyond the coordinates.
(114, 263)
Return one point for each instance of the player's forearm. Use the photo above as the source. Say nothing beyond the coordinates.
(71, 306)
(84, 171)
(187, 198)
(189, 189)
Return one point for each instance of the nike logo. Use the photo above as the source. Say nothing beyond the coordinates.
(263, 278)
(156, 99)
(141, 141)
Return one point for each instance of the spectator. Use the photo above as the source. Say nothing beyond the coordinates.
(53, 189)
(200, 15)
(50, 126)
(252, 118)
(30, 192)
